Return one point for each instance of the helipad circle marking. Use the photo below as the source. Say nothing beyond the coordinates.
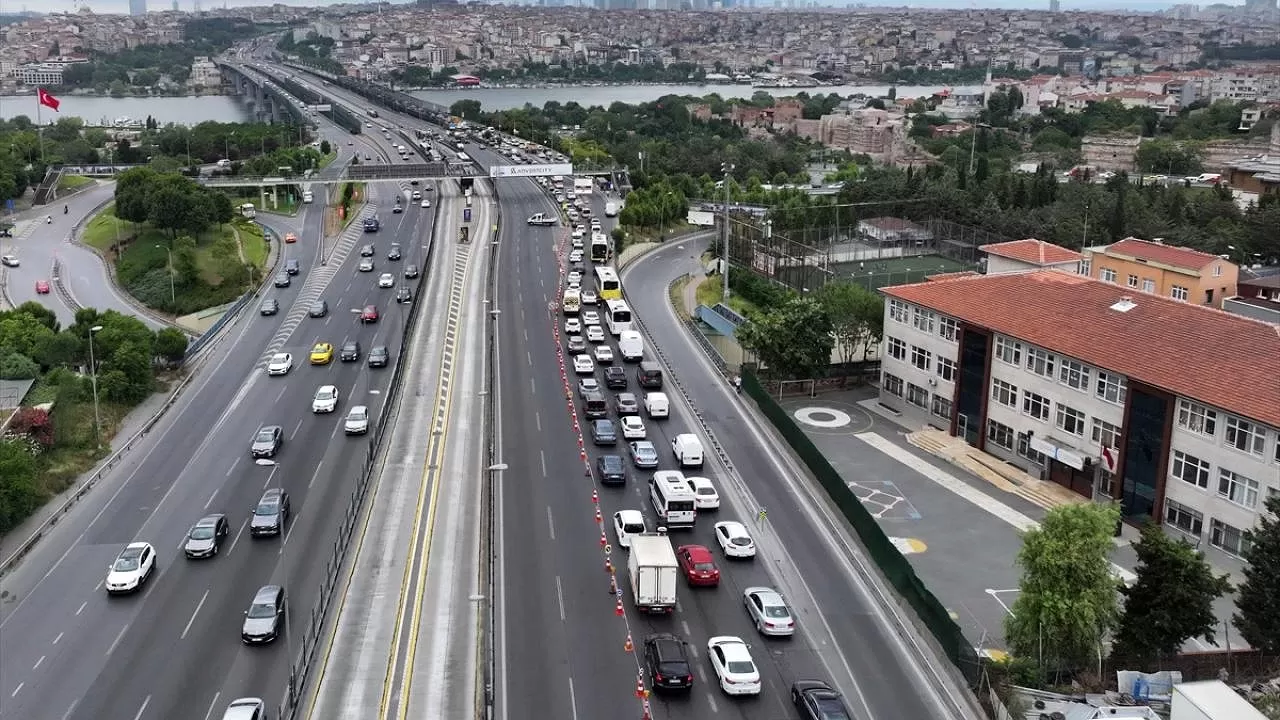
(823, 417)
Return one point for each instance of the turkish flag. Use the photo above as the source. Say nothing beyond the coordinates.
(47, 100)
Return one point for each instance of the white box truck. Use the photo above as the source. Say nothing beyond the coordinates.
(1209, 700)
(654, 573)
(631, 346)
(612, 208)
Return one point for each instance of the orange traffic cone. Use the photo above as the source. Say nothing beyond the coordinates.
(629, 646)
(640, 691)
(603, 540)
(618, 609)
(599, 517)
(595, 497)
(608, 566)
(647, 715)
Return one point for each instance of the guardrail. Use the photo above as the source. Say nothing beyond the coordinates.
(486, 697)
(55, 276)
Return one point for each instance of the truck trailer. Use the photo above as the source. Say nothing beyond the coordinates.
(654, 571)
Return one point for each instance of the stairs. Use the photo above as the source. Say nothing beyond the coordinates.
(996, 472)
(46, 191)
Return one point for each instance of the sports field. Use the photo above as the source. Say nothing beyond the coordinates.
(874, 274)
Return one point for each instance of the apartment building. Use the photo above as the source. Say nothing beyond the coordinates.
(1169, 407)
(1152, 267)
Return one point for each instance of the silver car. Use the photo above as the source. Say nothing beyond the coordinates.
(262, 619)
(768, 611)
(644, 454)
(366, 265)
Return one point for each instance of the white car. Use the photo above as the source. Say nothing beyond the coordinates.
(426, 203)
(627, 523)
(734, 539)
(575, 256)
(733, 666)
(572, 326)
(590, 317)
(632, 427)
(595, 334)
(281, 364)
(574, 277)
(386, 280)
(133, 567)
(705, 496)
(577, 233)
(768, 611)
(589, 297)
(357, 422)
(604, 354)
(583, 365)
(326, 399)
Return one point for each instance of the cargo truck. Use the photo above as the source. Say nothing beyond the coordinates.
(654, 571)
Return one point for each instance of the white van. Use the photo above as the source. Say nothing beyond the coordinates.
(672, 500)
(687, 449)
(631, 346)
(307, 196)
(657, 405)
(572, 301)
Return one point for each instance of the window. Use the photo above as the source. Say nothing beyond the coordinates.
(1246, 436)
(948, 328)
(942, 406)
(1070, 420)
(1107, 484)
(1106, 434)
(946, 369)
(1025, 450)
(1217, 271)
(1112, 387)
(922, 319)
(1086, 265)
(1074, 374)
(892, 384)
(917, 396)
(1133, 281)
(921, 358)
(1008, 350)
(1227, 539)
(1190, 469)
(1107, 275)
(1004, 393)
(1148, 285)
(1278, 448)
(1037, 406)
(897, 349)
(1183, 518)
(897, 310)
(1000, 434)
(1179, 293)
(1040, 362)
(1197, 418)
(1237, 488)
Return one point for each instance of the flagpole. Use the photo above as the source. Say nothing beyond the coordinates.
(39, 126)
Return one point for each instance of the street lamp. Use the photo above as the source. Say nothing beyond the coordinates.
(93, 379)
(173, 296)
(284, 564)
(726, 168)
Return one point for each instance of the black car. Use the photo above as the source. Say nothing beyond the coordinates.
(262, 619)
(292, 266)
(615, 378)
(603, 432)
(270, 306)
(206, 536)
(371, 225)
(283, 280)
(611, 470)
(394, 252)
(626, 404)
(350, 351)
(404, 294)
(318, 309)
(413, 183)
(817, 701)
(397, 209)
(666, 658)
(270, 514)
(410, 271)
(378, 356)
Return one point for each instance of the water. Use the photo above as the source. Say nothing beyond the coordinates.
(93, 109)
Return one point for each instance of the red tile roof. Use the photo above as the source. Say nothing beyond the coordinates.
(1178, 257)
(1224, 360)
(948, 275)
(1032, 251)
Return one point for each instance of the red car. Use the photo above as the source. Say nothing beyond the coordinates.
(369, 314)
(42, 287)
(698, 565)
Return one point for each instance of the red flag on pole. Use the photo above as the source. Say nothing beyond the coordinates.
(47, 100)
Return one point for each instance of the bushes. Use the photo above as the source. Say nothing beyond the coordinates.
(758, 291)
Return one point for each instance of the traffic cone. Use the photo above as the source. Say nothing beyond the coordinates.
(646, 715)
(599, 517)
(582, 455)
(640, 691)
(595, 497)
(576, 427)
(629, 646)
(618, 610)
(613, 585)
(603, 540)
(608, 566)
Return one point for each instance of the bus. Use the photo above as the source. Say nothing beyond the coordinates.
(617, 316)
(608, 286)
(582, 186)
(599, 247)
(571, 302)
(672, 500)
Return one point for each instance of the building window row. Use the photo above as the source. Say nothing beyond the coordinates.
(924, 319)
(1226, 538)
(1240, 434)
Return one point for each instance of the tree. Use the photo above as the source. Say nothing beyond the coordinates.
(856, 314)
(171, 344)
(1258, 598)
(466, 109)
(1171, 602)
(19, 495)
(16, 366)
(325, 147)
(792, 340)
(1068, 598)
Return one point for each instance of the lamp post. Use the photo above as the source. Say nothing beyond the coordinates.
(973, 144)
(93, 380)
(173, 296)
(284, 564)
(726, 168)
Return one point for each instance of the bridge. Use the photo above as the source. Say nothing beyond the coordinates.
(410, 171)
(271, 104)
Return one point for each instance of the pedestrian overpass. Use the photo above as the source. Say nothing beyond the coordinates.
(408, 171)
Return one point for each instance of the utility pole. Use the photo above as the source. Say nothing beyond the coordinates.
(727, 168)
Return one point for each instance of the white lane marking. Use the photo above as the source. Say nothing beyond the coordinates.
(280, 394)
(196, 612)
(315, 474)
(143, 709)
(537, 419)
(684, 625)
(209, 502)
(17, 690)
(119, 637)
(82, 606)
(232, 468)
(38, 663)
(573, 701)
(551, 527)
(560, 598)
(288, 533)
(711, 700)
(296, 428)
(532, 388)
(209, 713)
(528, 358)
(58, 639)
(542, 456)
(235, 540)
(70, 710)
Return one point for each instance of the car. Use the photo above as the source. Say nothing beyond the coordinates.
(270, 514)
(205, 538)
(588, 385)
(350, 351)
(283, 280)
(404, 295)
(425, 204)
(394, 252)
(262, 619)
(666, 660)
(366, 251)
(325, 400)
(572, 326)
(574, 277)
(577, 344)
(369, 314)
(410, 271)
(583, 364)
(318, 309)
(357, 422)
(734, 539)
(705, 496)
(131, 569)
(632, 427)
(267, 441)
(698, 566)
(270, 306)
(9, 260)
(378, 356)
(644, 454)
(595, 334)
(42, 287)
(292, 266)
(768, 611)
(624, 403)
(322, 353)
(589, 297)
(732, 663)
(610, 470)
(574, 285)
(579, 266)
(603, 354)
(604, 432)
(366, 265)
(575, 256)
(590, 317)
(280, 364)
(615, 378)
(386, 280)
(627, 523)
(816, 700)
(416, 195)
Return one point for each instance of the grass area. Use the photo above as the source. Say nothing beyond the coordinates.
(40, 393)
(327, 159)
(73, 182)
(60, 466)
(100, 232)
(253, 242)
(711, 291)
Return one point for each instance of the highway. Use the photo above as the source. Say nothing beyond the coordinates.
(173, 651)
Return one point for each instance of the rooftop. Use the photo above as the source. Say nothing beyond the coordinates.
(1185, 349)
(1032, 251)
(1158, 252)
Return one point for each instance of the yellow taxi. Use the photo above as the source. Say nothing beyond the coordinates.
(290, 238)
(322, 354)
